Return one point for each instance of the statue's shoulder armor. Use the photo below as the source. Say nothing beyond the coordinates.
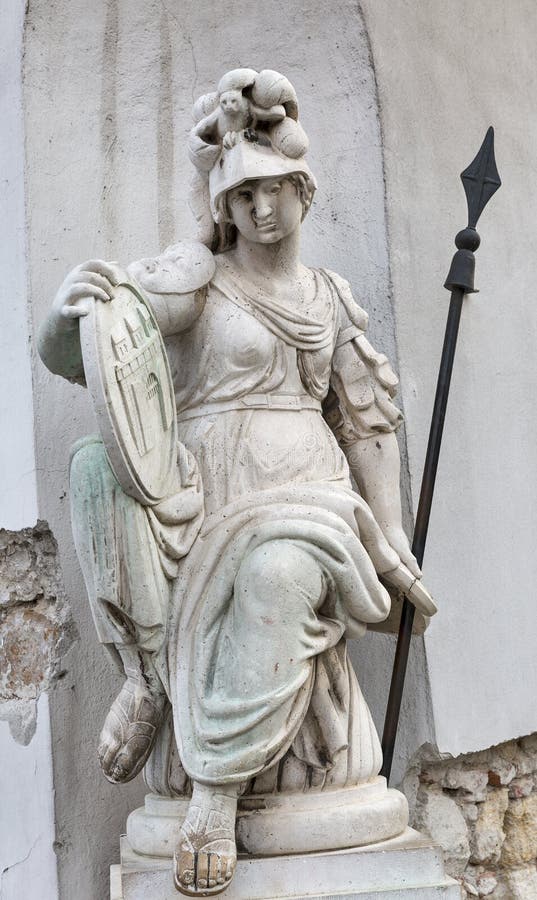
(352, 313)
(182, 268)
(352, 328)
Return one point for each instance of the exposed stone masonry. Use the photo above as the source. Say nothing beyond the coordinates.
(482, 809)
(35, 624)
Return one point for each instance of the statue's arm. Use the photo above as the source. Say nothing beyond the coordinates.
(175, 284)
(375, 465)
(361, 411)
(364, 419)
(58, 341)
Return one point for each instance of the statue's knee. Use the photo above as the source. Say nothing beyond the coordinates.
(280, 568)
(87, 450)
(88, 456)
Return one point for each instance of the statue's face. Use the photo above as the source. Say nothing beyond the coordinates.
(265, 210)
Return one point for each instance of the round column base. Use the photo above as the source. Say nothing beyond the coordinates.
(278, 824)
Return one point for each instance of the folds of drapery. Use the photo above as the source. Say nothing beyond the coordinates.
(129, 553)
(228, 736)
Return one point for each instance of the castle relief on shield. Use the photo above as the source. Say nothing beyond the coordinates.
(226, 554)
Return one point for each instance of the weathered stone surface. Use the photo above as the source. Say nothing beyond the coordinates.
(28, 568)
(471, 890)
(501, 772)
(514, 752)
(470, 812)
(529, 744)
(495, 793)
(517, 884)
(438, 815)
(35, 624)
(472, 782)
(520, 826)
(521, 787)
(486, 884)
(406, 868)
(488, 836)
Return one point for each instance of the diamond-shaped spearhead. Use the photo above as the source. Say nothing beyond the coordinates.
(481, 179)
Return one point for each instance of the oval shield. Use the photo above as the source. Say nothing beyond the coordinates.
(128, 376)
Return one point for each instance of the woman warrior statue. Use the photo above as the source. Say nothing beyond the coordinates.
(232, 599)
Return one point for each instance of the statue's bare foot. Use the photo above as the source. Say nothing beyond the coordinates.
(130, 730)
(205, 859)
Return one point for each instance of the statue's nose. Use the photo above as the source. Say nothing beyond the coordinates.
(262, 209)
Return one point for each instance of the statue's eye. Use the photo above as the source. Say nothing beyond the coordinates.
(276, 188)
(245, 195)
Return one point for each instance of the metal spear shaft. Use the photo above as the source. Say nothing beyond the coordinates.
(480, 181)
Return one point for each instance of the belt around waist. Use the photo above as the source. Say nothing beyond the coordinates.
(252, 401)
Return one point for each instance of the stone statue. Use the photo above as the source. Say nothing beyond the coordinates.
(226, 582)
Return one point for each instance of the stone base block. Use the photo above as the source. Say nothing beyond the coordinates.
(408, 867)
(278, 824)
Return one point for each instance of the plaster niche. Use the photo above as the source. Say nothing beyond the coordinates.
(129, 106)
(226, 555)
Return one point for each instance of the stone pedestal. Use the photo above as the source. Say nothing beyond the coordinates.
(408, 867)
(278, 824)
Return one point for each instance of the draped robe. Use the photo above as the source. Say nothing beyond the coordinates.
(250, 377)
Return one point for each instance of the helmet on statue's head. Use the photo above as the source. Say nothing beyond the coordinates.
(253, 156)
(258, 136)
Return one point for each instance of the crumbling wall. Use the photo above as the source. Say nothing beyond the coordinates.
(482, 809)
(36, 628)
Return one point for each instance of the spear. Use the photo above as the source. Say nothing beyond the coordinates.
(480, 181)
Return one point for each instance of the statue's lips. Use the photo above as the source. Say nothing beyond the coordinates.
(267, 226)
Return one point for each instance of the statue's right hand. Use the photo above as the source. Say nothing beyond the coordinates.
(93, 279)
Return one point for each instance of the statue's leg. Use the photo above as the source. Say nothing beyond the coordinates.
(274, 633)
(128, 592)
(205, 859)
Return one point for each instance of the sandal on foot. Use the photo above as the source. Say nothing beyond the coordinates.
(136, 717)
(202, 867)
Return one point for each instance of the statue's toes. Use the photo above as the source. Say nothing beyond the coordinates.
(107, 752)
(202, 870)
(214, 869)
(115, 773)
(221, 868)
(125, 765)
(120, 772)
(202, 873)
(116, 762)
(122, 759)
(184, 870)
(230, 863)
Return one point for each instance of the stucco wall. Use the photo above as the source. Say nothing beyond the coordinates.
(107, 103)
(27, 860)
(17, 465)
(446, 71)
(27, 818)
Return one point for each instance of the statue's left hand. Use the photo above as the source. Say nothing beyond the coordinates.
(412, 587)
(92, 279)
(407, 576)
(397, 539)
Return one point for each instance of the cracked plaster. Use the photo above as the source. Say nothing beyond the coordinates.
(35, 625)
